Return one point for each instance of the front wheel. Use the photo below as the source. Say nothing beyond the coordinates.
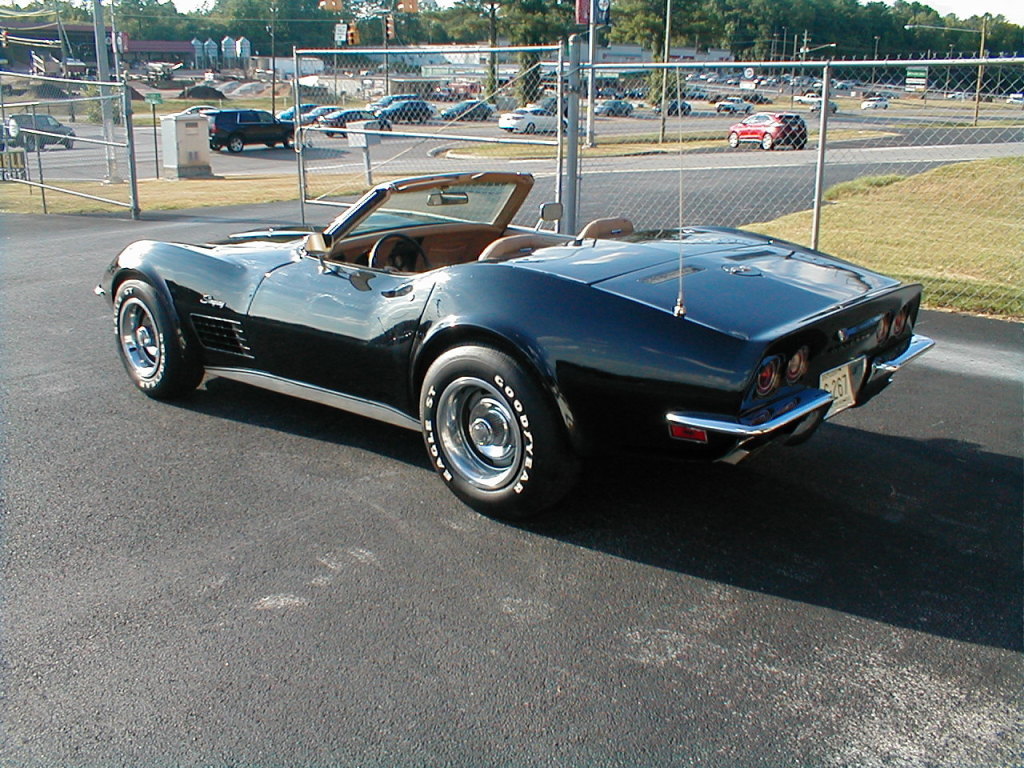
(530, 128)
(159, 358)
(69, 144)
(493, 435)
(767, 142)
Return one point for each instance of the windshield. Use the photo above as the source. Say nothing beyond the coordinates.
(468, 202)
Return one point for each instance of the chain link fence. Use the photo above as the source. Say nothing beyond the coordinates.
(921, 172)
(57, 132)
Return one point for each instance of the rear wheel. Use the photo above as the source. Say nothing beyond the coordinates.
(767, 142)
(159, 358)
(235, 143)
(493, 435)
(734, 139)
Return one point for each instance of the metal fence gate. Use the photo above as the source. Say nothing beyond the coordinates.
(41, 154)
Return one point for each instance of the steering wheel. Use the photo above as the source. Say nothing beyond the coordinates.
(418, 253)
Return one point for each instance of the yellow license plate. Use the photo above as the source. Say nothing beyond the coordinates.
(838, 382)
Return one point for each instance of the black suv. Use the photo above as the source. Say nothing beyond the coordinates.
(19, 131)
(234, 128)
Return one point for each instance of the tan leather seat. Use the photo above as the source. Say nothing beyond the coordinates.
(513, 245)
(606, 228)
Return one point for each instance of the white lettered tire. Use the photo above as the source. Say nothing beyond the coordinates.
(159, 359)
(493, 435)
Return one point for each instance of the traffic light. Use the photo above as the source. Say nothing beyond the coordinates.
(334, 6)
(389, 27)
(353, 34)
(409, 6)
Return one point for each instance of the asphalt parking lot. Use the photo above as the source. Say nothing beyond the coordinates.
(241, 579)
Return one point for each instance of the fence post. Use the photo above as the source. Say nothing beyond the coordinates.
(133, 178)
(297, 137)
(819, 170)
(572, 159)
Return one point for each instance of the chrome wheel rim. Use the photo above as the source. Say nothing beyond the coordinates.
(139, 338)
(479, 433)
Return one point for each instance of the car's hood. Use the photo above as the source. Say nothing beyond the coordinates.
(735, 282)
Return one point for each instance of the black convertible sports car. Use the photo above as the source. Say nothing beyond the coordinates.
(518, 352)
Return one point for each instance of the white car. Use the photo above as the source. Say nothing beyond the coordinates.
(875, 103)
(529, 120)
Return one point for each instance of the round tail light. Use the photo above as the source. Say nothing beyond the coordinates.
(767, 377)
(882, 331)
(796, 368)
(900, 322)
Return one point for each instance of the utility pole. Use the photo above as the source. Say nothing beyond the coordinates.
(103, 74)
(272, 31)
(664, 72)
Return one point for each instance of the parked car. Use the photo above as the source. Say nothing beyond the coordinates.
(407, 111)
(342, 117)
(614, 108)
(235, 128)
(22, 130)
(470, 109)
(386, 101)
(529, 120)
(312, 116)
(409, 308)
(675, 107)
(199, 109)
(734, 106)
(770, 130)
(288, 115)
(875, 102)
(816, 105)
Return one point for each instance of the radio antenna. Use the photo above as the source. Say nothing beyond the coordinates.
(680, 308)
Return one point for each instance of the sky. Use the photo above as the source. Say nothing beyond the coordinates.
(1013, 10)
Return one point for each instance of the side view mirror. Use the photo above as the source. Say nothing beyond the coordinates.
(549, 212)
(316, 245)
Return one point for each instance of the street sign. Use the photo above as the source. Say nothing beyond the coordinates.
(340, 34)
(154, 98)
(917, 78)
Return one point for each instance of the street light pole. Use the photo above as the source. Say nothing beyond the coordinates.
(877, 38)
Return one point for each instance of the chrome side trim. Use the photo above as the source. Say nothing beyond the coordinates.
(313, 393)
(918, 346)
(816, 400)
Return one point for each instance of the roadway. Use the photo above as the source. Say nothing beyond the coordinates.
(248, 580)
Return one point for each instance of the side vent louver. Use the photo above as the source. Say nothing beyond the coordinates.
(220, 335)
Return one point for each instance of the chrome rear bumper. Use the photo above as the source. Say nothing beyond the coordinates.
(795, 409)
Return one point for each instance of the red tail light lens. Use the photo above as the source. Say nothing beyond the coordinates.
(882, 331)
(796, 368)
(768, 377)
(900, 322)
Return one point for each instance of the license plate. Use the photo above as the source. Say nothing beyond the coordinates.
(839, 383)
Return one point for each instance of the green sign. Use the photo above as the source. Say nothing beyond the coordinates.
(154, 98)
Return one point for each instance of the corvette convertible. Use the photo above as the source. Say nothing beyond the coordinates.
(519, 352)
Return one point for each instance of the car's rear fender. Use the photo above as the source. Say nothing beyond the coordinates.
(607, 362)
